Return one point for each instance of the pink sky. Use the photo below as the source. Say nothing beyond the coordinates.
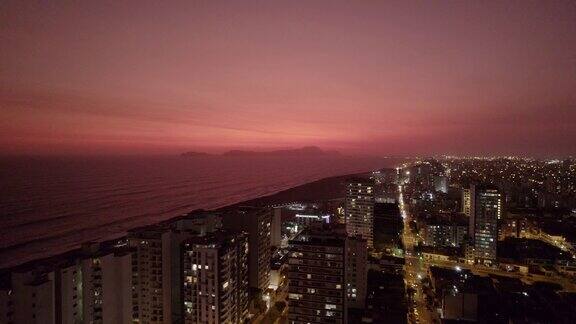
(377, 77)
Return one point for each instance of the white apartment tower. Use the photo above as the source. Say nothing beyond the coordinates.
(360, 209)
(147, 297)
(107, 286)
(48, 291)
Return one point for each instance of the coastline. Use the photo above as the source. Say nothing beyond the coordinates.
(323, 189)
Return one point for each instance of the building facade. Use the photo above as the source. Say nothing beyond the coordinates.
(107, 284)
(276, 228)
(441, 234)
(257, 223)
(441, 184)
(356, 271)
(48, 291)
(486, 203)
(360, 209)
(467, 202)
(194, 224)
(147, 280)
(34, 297)
(445, 229)
(216, 278)
(388, 226)
(317, 278)
(139, 278)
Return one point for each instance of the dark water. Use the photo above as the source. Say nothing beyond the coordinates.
(50, 205)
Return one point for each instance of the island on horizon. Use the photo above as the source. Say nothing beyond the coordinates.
(305, 151)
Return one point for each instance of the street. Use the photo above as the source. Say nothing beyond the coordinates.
(415, 270)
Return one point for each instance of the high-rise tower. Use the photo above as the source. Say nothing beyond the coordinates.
(486, 210)
(360, 209)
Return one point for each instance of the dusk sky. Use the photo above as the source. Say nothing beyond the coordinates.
(374, 77)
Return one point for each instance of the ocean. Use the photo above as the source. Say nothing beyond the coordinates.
(51, 205)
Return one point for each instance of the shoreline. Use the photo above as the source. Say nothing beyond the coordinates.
(322, 189)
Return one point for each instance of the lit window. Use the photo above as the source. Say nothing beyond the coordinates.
(294, 296)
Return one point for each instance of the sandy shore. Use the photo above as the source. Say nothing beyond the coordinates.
(319, 190)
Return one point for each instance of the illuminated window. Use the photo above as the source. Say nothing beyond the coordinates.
(294, 296)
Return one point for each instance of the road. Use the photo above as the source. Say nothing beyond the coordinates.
(415, 270)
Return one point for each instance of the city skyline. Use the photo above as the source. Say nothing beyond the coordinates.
(287, 162)
(425, 241)
(409, 78)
